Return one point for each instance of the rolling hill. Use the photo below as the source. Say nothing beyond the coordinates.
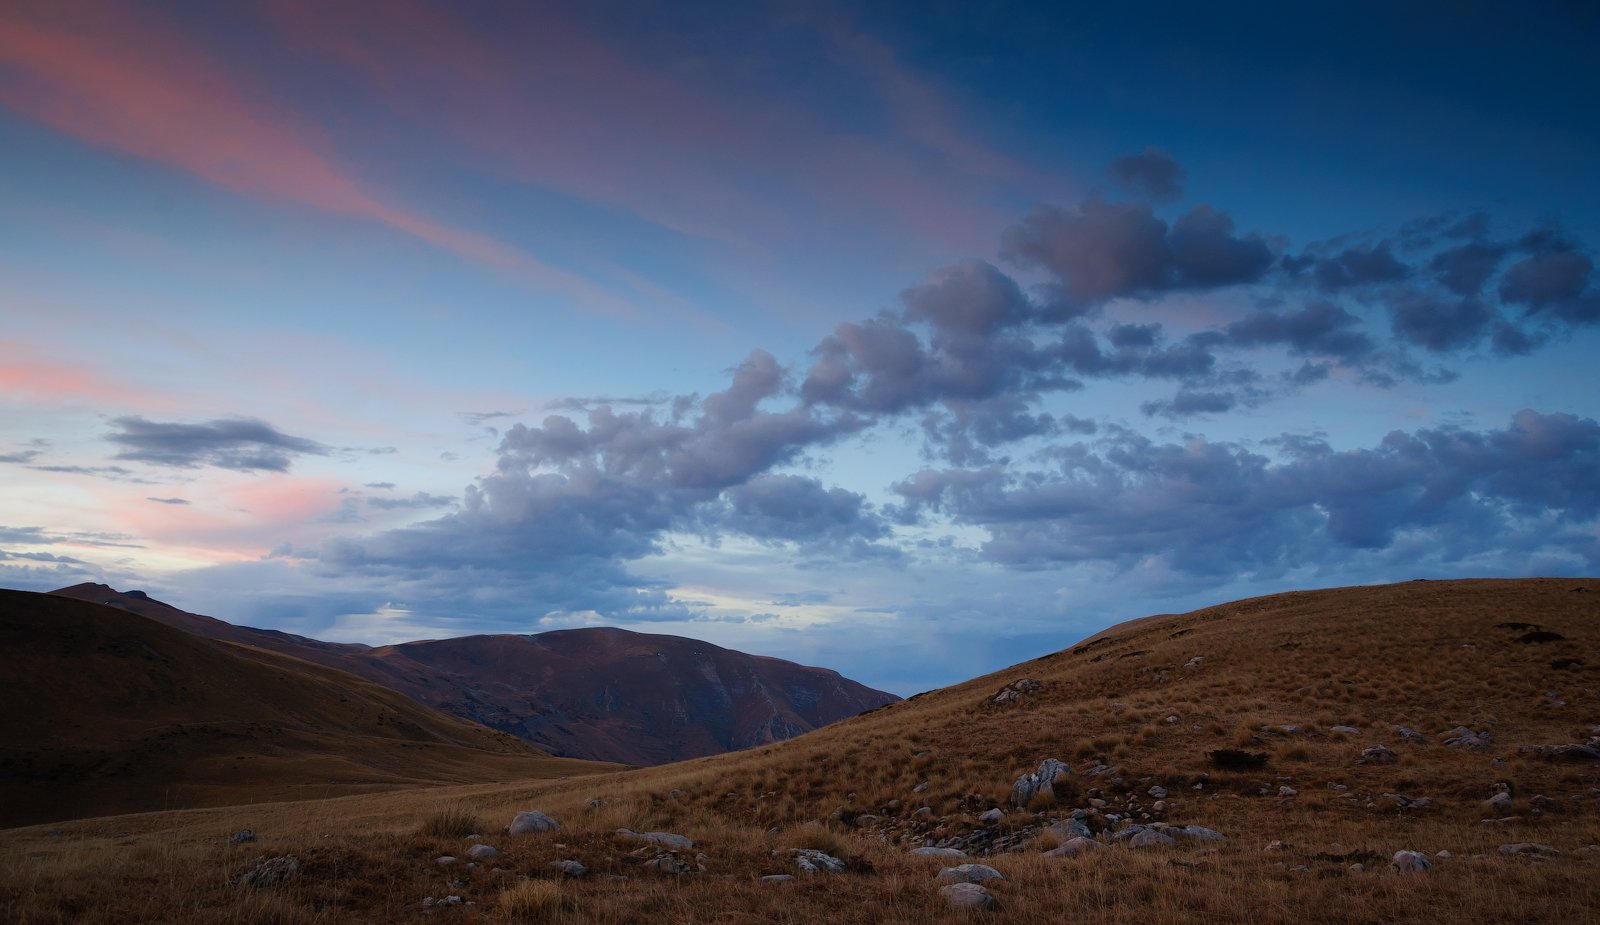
(603, 694)
(1260, 760)
(109, 712)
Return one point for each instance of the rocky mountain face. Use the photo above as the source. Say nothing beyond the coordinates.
(605, 694)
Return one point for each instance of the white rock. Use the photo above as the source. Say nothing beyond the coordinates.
(1410, 862)
(1345, 730)
(968, 896)
(812, 861)
(1073, 847)
(993, 816)
(968, 873)
(532, 821)
(1040, 781)
(482, 853)
(931, 852)
(662, 839)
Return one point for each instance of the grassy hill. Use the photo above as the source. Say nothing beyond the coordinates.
(1259, 719)
(111, 712)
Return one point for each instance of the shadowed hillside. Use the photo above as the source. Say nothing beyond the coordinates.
(604, 694)
(1262, 760)
(110, 712)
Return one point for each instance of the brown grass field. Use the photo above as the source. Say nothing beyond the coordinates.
(1426, 655)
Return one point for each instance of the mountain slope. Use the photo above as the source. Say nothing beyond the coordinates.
(1308, 835)
(605, 694)
(111, 712)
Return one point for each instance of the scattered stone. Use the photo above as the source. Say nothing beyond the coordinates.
(1157, 793)
(533, 821)
(1407, 803)
(444, 860)
(670, 864)
(596, 803)
(1379, 754)
(1462, 737)
(1073, 827)
(1287, 791)
(1043, 780)
(1589, 752)
(569, 869)
(1151, 838)
(777, 878)
(1016, 689)
(1410, 862)
(1073, 847)
(922, 812)
(932, 852)
(812, 861)
(1173, 720)
(1500, 804)
(968, 873)
(241, 836)
(1529, 850)
(1504, 820)
(269, 872)
(1345, 730)
(993, 816)
(1410, 735)
(968, 896)
(661, 839)
(1199, 833)
(920, 788)
(1443, 855)
(865, 821)
(482, 853)
(1194, 662)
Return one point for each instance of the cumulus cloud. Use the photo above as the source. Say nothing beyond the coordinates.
(243, 444)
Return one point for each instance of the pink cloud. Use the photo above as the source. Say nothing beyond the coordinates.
(129, 81)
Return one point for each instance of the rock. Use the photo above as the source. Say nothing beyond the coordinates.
(777, 878)
(931, 852)
(1015, 690)
(242, 836)
(1408, 734)
(1407, 803)
(812, 861)
(1064, 829)
(865, 820)
(921, 787)
(1590, 752)
(1073, 847)
(1500, 804)
(569, 869)
(1345, 730)
(595, 803)
(265, 873)
(661, 839)
(968, 873)
(1151, 838)
(1443, 855)
(1462, 737)
(669, 864)
(993, 816)
(1199, 833)
(1379, 754)
(1287, 791)
(1194, 662)
(922, 812)
(1410, 862)
(444, 860)
(1529, 850)
(674, 793)
(1041, 781)
(482, 853)
(532, 821)
(968, 896)
(1157, 793)
(1504, 820)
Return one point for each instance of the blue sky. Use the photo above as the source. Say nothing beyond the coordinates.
(914, 342)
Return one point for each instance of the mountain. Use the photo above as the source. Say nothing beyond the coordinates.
(1262, 760)
(108, 711)
(604, 694)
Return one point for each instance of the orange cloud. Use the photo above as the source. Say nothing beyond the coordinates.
(126, 80)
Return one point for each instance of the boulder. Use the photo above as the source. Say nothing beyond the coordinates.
(812, 861)
(1499, 804)
(444, 860)
(1157, 793)
(1041, 781)
(1410, 862)
(569, 869)
(532, 821)
(1462, 737)
(968, 896)
(265, 873)
(1345, 730)
(1529, 850)
(1379, 754)
(1199, 833)
(968, 873)
(1073, 827)
(1073, 847)
(660, 839)
(482, 853)
(993, 816)
(932, 852)
(1408, 734)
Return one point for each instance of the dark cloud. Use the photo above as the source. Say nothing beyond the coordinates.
(1440, 323)
(1152, 174)
(1359, 267)
(584, 403)
(419, 501)
(1318, 329)
(1099, 250)
(380, 485)
(798, 509)
(483, 417)
(167, 500)
(1553, 283)
(1217, 508)
(112, 473)
(1464, 269)
(242, 444)
(20, 456)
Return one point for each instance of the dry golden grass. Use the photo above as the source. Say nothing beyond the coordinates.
(1424, 655)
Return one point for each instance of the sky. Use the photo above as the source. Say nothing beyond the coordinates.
(909, 339)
